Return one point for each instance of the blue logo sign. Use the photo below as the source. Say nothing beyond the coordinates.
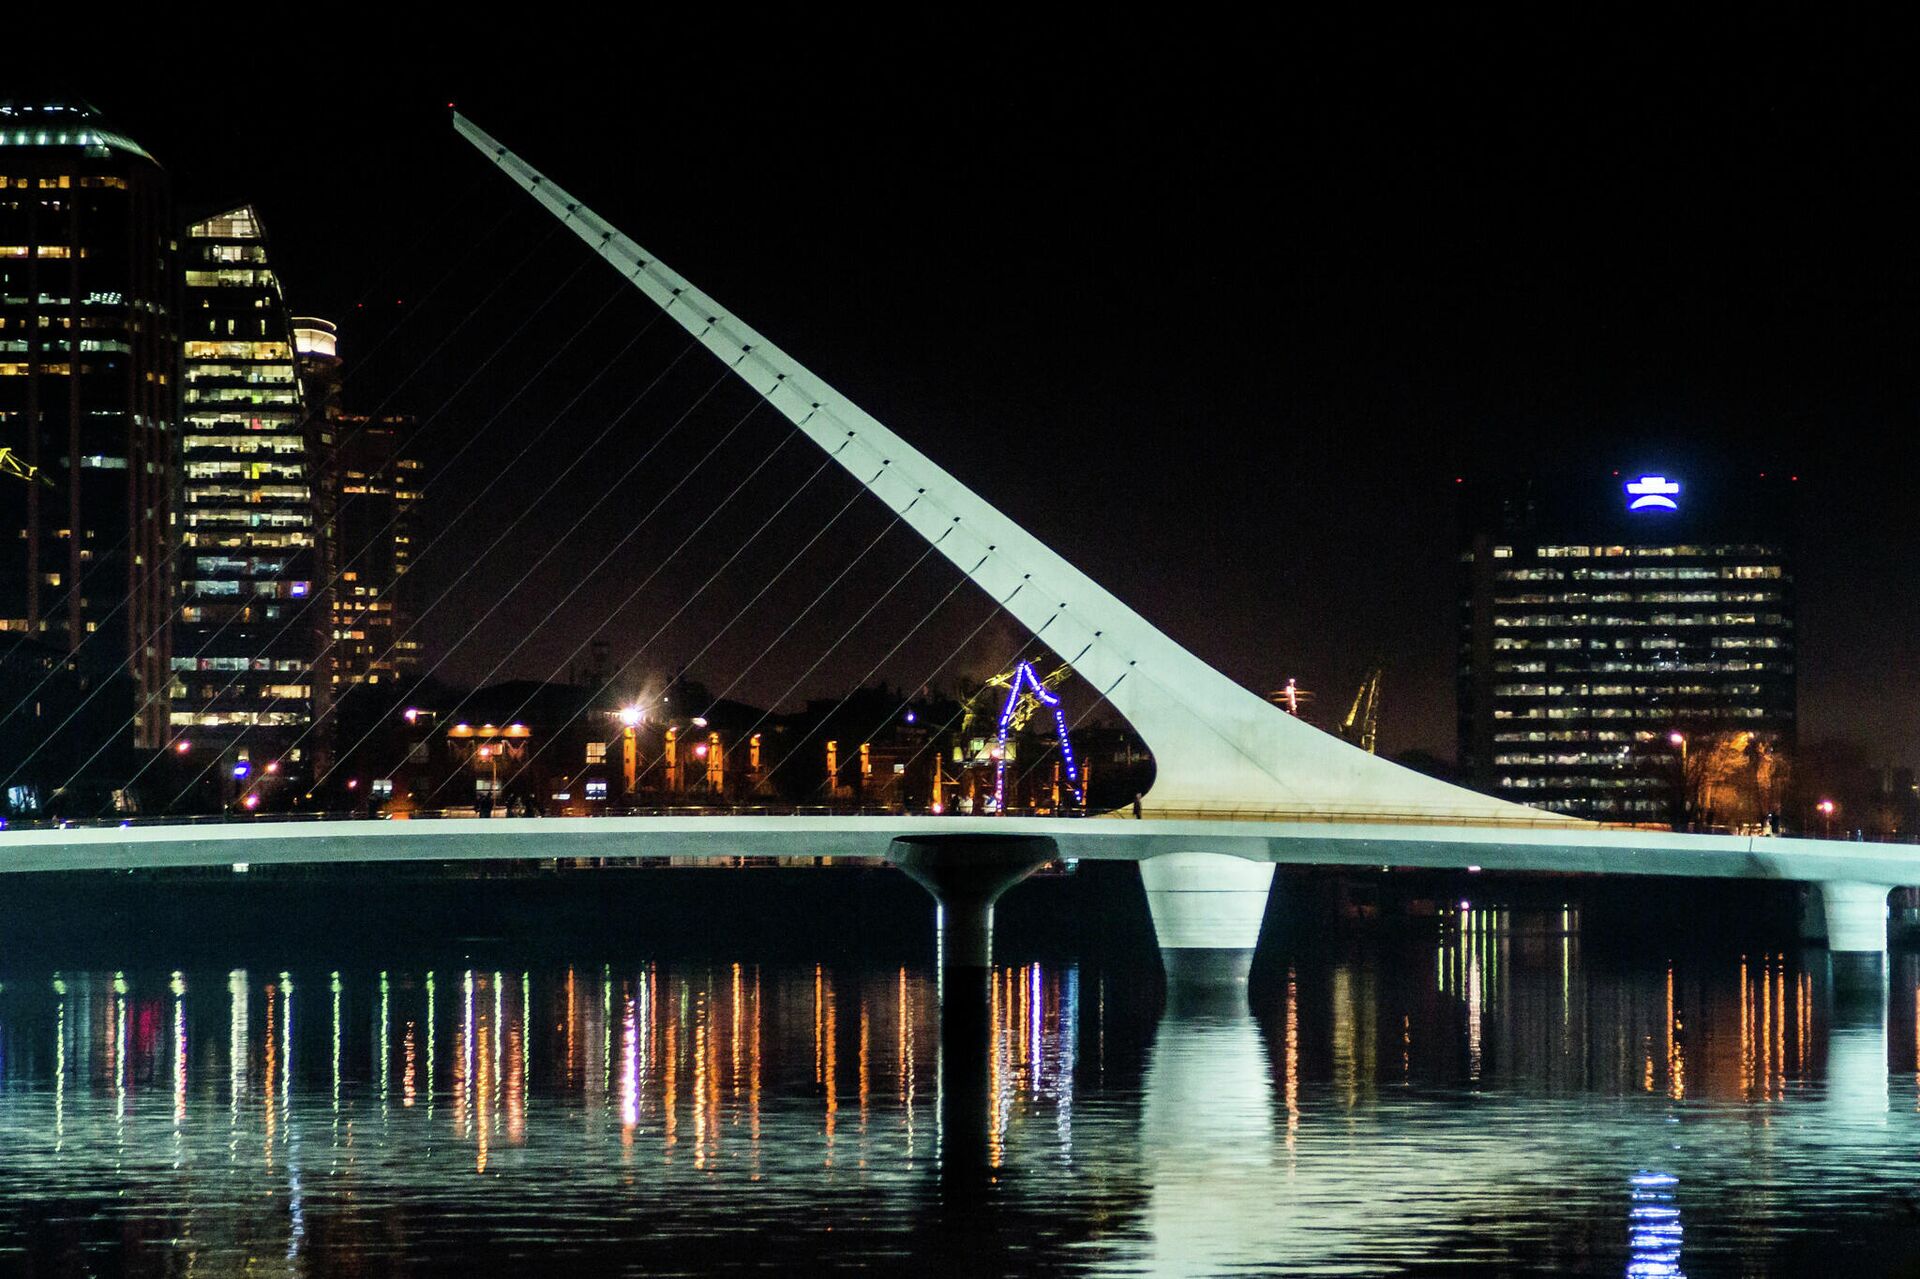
(1656, 491)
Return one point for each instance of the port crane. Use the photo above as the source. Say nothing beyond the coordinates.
(1362, 724)
(10, 464)
(982, 702)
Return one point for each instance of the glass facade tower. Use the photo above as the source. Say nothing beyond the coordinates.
(367, 500)
(377, 489)
(248, 631)
(1627, 646)
(88, 351)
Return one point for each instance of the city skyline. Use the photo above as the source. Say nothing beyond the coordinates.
(960, 643)
(1091, 386)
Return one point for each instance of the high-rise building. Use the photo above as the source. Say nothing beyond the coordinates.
(88, 353)
(378, 486)
(1627, 645)
(248, 631)
(317, 357)
(367, 502)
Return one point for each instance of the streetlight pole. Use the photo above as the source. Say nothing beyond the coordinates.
(630, 717)
(1679, 740)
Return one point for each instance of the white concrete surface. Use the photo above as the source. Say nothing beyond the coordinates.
(1581, 849)
(1206, 880)
(1213, 741)
(1206, 901)
(1856, 915)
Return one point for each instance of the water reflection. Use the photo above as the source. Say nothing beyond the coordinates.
(1653, 1223)
(1500, 1097)
(1215, 1196)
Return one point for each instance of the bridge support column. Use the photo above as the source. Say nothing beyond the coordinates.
(966, 875)
(1855, 915)
(1207, 909)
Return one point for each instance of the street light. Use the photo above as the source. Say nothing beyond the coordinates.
(630, 717)
(1679, 741)
(1826, 807)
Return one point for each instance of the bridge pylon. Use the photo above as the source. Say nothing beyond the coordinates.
(1218, 749)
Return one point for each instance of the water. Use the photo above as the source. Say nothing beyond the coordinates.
(1496, 1100)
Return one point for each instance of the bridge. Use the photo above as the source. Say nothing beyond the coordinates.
(1206, 878)
(1240, 785)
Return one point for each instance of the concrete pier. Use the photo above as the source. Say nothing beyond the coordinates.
(1855, 915)
(966, 874)
(1207, 910)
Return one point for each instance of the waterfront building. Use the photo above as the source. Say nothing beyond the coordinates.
(248, 631)
(317, 358)
(365, 502)
(43, 692)
(88, 352)
(1626, 646)
(374, 489)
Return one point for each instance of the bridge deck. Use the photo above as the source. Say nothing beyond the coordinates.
(1578, 849)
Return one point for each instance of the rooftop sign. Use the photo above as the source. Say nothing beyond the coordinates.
(1653, 491)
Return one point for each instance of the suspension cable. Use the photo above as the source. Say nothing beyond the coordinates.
(1018, 655)
(178, 544)
(498, 475)
(175, 544)
(859, 621)
(686, 603)
(995, 611)
(585, 578)
(714, 385)
(888, 655)
(818, 599)
(579, 584)
(325, 593)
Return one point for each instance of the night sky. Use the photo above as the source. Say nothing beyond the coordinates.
(1220, 316)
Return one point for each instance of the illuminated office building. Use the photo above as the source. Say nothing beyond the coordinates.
(1627, 645)
(88, 351)
(367, 499)
(248, 633)
(376, 487)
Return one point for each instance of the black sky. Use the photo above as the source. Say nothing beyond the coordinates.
(1219, 313)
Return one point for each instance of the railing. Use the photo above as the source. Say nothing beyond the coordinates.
(437, 814)
(1360, 816)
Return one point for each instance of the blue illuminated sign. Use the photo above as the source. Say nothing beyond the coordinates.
(1653, 491)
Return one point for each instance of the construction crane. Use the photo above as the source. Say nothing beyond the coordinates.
(1362, 724)
(1023, 709)
(1291, 698)
(10, 464)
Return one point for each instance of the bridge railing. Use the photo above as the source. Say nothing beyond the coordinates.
(1384, 816)
(1223, 813)
(143, 820)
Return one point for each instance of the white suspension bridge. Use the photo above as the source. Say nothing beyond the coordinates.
(1240, 786)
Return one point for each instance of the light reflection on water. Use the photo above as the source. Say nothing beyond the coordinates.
(1500, 1099)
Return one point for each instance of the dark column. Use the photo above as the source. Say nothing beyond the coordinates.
(966, 875)
(1856, 929)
